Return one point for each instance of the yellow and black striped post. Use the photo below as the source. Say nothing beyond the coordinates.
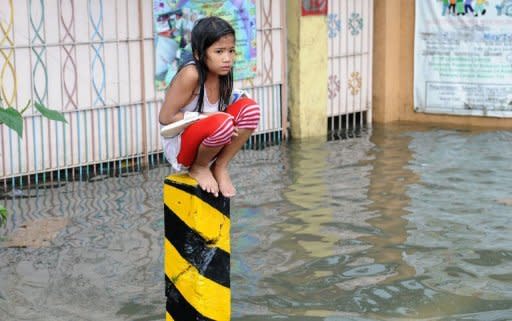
(196, 252)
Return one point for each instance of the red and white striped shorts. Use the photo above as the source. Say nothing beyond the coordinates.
(217, 129)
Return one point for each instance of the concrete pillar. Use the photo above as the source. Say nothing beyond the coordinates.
(387, 61)
(307, 72)
(196, 252)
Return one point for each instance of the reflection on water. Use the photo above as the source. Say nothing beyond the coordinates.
(400, 224)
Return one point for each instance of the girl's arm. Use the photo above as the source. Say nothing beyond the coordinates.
(178, 95)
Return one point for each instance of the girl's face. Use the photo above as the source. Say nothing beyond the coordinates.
(220, 56)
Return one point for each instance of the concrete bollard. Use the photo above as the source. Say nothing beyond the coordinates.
(196, 252)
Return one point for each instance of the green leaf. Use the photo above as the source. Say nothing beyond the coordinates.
(13, 119)
(3, 215)
(50, 113)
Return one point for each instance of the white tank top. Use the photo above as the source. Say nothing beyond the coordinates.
(172, 145)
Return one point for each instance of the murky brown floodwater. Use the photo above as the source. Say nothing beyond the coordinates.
(405, 223)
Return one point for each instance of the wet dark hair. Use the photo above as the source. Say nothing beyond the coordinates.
(206, 31)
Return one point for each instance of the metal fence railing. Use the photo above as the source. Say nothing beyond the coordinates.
(350, 25)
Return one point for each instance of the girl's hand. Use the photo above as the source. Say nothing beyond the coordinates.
(235, 132)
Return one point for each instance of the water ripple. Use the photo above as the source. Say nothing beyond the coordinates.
(402, 223)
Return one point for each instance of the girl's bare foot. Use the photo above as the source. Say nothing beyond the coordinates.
(204, 178)
(221, 174)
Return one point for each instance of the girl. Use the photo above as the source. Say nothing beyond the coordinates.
(451, 7)
(480, 7)
(446, 5)
(460, 7)
(204, 86)
(467, 6)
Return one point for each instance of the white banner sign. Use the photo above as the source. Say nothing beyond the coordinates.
(463, 57)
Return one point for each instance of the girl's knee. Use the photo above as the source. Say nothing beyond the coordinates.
(249, 116)
(221, 130)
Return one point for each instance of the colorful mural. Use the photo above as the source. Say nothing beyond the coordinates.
(173, 23)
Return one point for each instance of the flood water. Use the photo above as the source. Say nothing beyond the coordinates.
(402, 223)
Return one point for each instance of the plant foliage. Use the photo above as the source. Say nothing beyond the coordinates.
(3, 215)
(13, 119)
